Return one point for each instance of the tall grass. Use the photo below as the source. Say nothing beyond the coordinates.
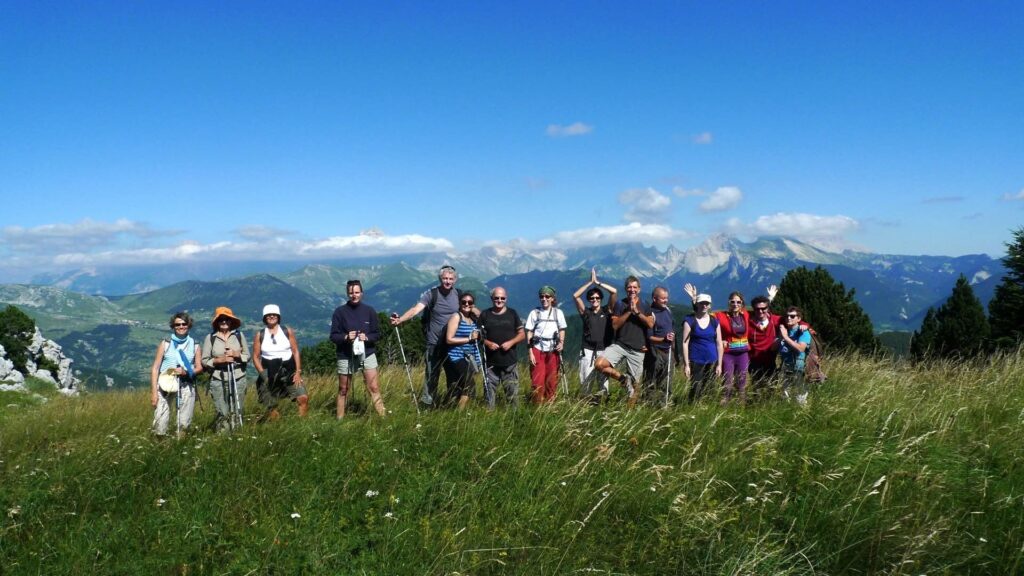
(892, 469)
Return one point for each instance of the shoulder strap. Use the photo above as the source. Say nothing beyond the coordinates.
(433, 297)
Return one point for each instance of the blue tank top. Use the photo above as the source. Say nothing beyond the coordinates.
(459, 351)
(703, 341)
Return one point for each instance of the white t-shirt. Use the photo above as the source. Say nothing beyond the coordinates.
(545, 324)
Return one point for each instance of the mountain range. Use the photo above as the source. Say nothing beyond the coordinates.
(113, 334)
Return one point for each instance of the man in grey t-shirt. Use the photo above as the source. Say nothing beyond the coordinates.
(440, 302)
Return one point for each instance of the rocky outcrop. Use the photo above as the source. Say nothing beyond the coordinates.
(41, 352)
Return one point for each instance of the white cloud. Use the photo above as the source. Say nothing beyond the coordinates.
(724, 198)
(601, 235)
(646, 206)
(1019, 196)
(703, 138)
(371, 242)
(375, 244)
(826, 232)
(87, 233)
(574, 129)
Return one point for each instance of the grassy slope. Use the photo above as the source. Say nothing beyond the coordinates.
(892, 470)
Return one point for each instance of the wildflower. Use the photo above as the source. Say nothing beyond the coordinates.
(296, 516)
(160, 502)
(14, 512)
(389, 515)
(371, 493)
(563, 482)
(982, 539)
(653, 489)
(418, 426)
(750, 500)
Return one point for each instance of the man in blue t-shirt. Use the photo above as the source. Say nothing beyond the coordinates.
(659, 345)
(794, 343)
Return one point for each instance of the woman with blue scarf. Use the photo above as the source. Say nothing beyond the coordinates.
(177, 362)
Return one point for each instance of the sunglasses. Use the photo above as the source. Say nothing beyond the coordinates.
(592, 298)
(735, 301)
(546, 296)
(792, 315)
(180, 325)
(498, 298)
(759, 309)
(467, 302)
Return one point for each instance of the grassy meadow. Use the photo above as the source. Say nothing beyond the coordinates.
(891, 469)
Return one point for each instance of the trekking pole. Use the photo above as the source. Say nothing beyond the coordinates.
(561, 374)
(668, 369)
(233, 408)
(668, 377)
(177, 411)
(408, 373)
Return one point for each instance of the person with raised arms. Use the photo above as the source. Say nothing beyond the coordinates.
(597, 328)
(702, 348)
(631, 319)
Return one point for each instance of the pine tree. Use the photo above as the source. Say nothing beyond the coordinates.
(922, 344)
(828, 307)
(1006, 310)
(962, 329)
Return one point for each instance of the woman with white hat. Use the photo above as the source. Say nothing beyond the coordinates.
(702, 347)
(278, 364)
(225, 354)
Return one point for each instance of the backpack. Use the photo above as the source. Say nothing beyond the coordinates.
(259, 333)
(208, 345)
(425, 318)
(814, 370)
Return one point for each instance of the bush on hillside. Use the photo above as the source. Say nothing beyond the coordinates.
(16, 330)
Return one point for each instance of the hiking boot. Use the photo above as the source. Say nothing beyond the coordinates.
(631, 392)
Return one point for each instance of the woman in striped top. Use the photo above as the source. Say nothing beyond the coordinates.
(463, 360)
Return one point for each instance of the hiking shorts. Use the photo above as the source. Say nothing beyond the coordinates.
(346, 366)
(616, 353)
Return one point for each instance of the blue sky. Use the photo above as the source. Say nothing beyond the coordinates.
(169, 131)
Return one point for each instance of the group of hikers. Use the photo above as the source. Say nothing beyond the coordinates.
(624, 340)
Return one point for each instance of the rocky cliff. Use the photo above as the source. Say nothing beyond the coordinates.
(42, 353)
